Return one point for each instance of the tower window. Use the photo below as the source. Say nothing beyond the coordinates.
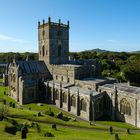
(43, 51)
(46, 52)
(53, 52)
(59, 50)
(59, 33)
(43, 33)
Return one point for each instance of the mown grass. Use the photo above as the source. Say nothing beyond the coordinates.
(61, 133)
(117, 124)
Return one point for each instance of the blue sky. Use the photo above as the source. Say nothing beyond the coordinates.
(105, 24)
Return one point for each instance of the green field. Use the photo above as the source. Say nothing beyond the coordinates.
(73, 129)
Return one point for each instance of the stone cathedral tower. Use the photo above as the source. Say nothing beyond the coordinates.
(53, 41)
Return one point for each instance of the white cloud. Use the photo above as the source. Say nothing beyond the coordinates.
(112, 41)
(12, 39)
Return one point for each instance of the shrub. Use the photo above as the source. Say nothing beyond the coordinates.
(39, 114)
(1, 117)
(38, 128)
(10, 129)
(60, 115)
(10, 104)
(13, 122)
(4, 102)
(32, 124)
(54, 126)
(116, 136)
(48, 134)
(13, 105)
(65, 118)
(128, 131)
(50, 113)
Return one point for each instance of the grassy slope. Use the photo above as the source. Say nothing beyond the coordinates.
(73, 130)
(62, 133)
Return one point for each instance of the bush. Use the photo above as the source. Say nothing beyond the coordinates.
(128, 131)
(13, 105)
(48, 134)
(60, 115)
(13, 122)
(10, 129)
(50, 113)
(116, 136)
(4, 102)
(1, 117)
(39, 114)
(10, 104)
(65, 118)
(32, 124)
(30, 108)
(54, 126)
(38, 128)
(25, 128)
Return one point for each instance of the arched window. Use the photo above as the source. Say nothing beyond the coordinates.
(73, 101)
(43, 51)
(64, 97)
(61, 78)
(56, 94)
(14, 78)
(56, 77)
(68, 80)
(83, 105)
(125, 107)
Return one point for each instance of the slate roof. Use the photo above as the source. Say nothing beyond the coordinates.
(32, 66)
(124, 88)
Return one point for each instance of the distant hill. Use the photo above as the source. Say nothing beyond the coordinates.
(135, 52)
(98, 50)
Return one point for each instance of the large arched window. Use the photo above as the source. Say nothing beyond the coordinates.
(83, 105)
(99, 105)
(73, 101)
(64, 97)
(125, 107)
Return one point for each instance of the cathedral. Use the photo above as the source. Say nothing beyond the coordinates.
(75, 86)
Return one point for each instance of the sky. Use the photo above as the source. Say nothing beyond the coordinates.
(106, 24)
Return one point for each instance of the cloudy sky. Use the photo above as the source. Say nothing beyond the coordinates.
(105, 24)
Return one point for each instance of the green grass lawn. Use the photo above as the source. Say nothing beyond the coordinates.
(66, 130)
(62, 133)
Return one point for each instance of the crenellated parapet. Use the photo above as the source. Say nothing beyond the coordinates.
(50, 23)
